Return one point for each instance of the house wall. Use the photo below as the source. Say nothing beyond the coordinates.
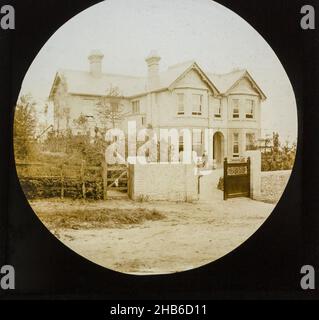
(141, 118)
(61, 108)
(167, 104)
(159, 109)
(243, 91)
(77, 105)
(154, 181)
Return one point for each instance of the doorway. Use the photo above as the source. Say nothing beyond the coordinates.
(218, 149)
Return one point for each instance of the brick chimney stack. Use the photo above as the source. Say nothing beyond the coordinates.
(152, 61)
(96, 58)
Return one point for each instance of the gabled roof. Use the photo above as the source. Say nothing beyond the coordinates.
(188, 66)
(168, 77)
(226, 82)
(83, 83)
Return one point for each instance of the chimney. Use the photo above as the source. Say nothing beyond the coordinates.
(96, 58)
(152, 61)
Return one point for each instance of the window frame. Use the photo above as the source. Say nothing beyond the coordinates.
(252, 146)
(181, 143)
(115, 106)
(233, 109)
(235, 144)
(196, 112)
(136, 107)
(219, 108)
(179, 112)
(252, 109)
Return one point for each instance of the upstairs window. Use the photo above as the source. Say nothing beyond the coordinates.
(136, 107)
(235, 103)
(180, 104)
(250, 108)
(114, 107)
(197, 104)
(218, 110)
(236, 145)
(250, 141)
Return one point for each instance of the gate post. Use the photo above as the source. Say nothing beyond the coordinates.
(249, 174)
(225, 179)
(255, 173)
(82, 173)
(104, 174)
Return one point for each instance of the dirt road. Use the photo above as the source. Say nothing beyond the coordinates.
(189, 235)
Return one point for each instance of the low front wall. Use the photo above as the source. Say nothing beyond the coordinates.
(158, 181)
(273, 184)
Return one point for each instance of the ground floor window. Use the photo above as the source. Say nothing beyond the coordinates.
(250, 141)
(181, 143)
(236, 145)
(197, 141)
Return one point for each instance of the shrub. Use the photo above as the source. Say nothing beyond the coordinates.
(220, 185)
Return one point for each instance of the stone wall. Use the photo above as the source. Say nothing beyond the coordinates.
(159, 181)
(273, 184)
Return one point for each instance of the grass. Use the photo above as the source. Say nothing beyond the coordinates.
(98, 218)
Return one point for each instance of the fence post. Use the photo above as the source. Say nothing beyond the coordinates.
(62, 182)
(104, 174)
(225, 179)
(83, 179)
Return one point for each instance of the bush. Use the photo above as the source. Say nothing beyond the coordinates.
(42, 188)
(220, 185)
(25, 144)
(277, 157)
(281, 160)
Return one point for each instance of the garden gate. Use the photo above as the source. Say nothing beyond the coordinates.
(236, 179)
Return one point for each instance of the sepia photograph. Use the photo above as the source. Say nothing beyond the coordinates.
(155, 137)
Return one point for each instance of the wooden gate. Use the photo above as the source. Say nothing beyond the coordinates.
(115, 178)
(236, 179)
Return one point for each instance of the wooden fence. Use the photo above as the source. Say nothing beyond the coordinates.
(115, 178)
(46, 180)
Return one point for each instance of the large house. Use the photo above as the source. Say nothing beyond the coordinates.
(183, 96)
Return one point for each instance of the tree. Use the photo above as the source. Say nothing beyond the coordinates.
(24, 128)
(82, 124)
(110, 109)
(278, 156)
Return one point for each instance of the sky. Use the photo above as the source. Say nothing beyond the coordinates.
(179, 30)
